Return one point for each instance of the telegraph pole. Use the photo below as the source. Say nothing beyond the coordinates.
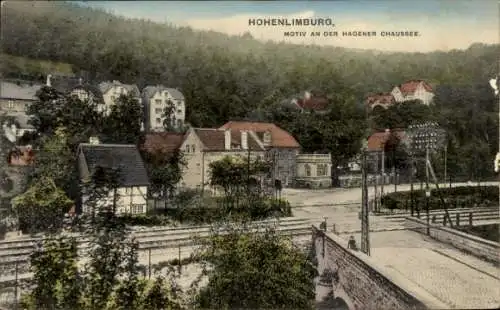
(365, 227)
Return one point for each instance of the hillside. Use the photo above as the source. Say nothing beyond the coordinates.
(31, 69)
(221, 76)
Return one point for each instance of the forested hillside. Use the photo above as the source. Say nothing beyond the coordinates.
(222, 77)
(227, 77)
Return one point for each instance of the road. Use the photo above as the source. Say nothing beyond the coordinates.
(460, 280)
(342, 206)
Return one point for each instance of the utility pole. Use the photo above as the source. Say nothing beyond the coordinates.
(445, 162)
(365, 227)
(375, 199)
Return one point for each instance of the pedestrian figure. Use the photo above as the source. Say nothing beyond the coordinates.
(352, 244)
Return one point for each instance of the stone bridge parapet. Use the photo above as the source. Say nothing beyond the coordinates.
(359, 282)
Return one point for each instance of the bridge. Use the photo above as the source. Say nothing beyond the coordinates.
(408, 269)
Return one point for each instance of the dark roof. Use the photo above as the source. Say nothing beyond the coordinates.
(22, 90)
(163, 142)
(313, 103)
(149, 92)
(280, 138)
(125, 157)
(67, 84)
(214, 140)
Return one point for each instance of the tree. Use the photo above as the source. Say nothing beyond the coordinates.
(165, 171)
(56, 277)
(42, 206)
(123, 124)
(169, 121)
(396, 155)
(256, 271)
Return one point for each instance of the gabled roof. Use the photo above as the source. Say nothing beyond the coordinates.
(22, 90)
(313, 103)
(163, 142)
(107, 85)
(377, 140)
(149, 92)
(214, 140)
(384, 98)
(409, 87)
(124, 157)
(280, 138)
(67, 84)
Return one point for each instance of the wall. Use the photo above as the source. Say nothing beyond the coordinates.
(192, 173)
(284, 164)
(302, 179)
(127, 198)
(14, 105)
(476, 246)
(361, 282)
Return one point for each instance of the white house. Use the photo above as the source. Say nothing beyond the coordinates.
(131, 195)
(413, 90)
(157, 99)
(112, 90)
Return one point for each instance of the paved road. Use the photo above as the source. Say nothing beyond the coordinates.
(462, 281)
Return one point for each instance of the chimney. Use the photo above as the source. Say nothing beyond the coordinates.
(13, 128)
(48, 80)
(80, 81)
(94, 140)
(227, 139)
(244, 140)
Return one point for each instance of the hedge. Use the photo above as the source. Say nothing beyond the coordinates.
(455, 197)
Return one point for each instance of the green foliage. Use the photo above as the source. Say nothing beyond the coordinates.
(256, 271)
(56, 277)
(165, 172)
(42, 207)
(455, 197)
(123, 124)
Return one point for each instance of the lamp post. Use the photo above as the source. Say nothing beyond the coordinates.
(427, 196)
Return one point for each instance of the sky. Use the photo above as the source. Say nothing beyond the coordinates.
(441, 24)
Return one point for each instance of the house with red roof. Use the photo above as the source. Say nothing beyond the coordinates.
(383, 100)
(281, 147)
(413, 90)
(202, 146)
(311, 102)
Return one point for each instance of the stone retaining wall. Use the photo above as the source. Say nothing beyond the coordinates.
(476, 246)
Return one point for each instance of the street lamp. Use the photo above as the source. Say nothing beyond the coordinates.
(427, 196)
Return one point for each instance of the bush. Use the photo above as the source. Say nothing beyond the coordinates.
(455, 197)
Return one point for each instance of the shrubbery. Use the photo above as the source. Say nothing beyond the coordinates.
(455, 197)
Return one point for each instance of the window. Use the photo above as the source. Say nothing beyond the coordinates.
(113, 98)
(158, 101)
(158, 110)
(179, 123)
(308, 170)
(321, 170)
(187, 148)
(158, 121)
(10, 105)
(179, 110)
(137, 208)
(127, 190)
(193, 148)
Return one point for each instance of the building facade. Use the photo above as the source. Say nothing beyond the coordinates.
(131, 194)
(313, 170)
(159, 99)
(281, 147)
(111, 91)
(413, 90)
(202, 146)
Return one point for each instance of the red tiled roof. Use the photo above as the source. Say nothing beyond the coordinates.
(280, 138)
(214, 140)
(380, 98)
(163, 142)
(410, 87)
(377, 140)
(21, 156)
(313, 103)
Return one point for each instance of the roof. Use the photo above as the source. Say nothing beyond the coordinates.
(163, 142)
(214, 140)
(384, 98)
(313, 103)
(377, 140)
(149, 91)
(410, 87)
(125, 157)
(280, 138)
(107, 85)
(67, 84)
(22, 90)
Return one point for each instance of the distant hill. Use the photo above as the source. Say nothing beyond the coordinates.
(221, 76)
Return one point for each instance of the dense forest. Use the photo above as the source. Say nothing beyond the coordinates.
(227, 77)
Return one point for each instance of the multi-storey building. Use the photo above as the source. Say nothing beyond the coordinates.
(158, 102)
